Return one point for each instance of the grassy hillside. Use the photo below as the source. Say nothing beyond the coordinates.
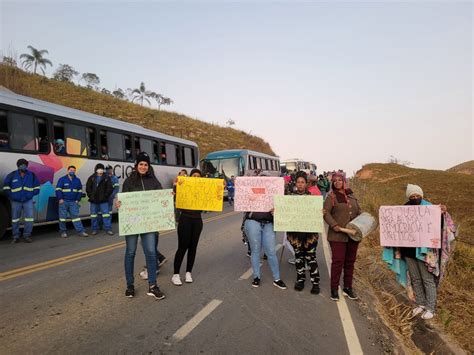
(208, 136)
(385, 184)
(464, 168)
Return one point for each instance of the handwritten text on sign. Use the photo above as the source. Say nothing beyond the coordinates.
(298, 214)
(201, 194)
(410, 226)
(255, 194)
(146, 211)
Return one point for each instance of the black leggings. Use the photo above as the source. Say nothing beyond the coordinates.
(189, 230)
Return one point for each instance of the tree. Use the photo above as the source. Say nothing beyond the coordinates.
(395, 160)
(230, 122)
(65, 73)
(35, 59)
(161, 100)
(119, 94)
(142, 94)
(91, 79)
(10, 61)
(105, 91)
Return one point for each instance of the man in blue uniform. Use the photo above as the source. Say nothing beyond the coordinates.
(69, 193)
(21, 186)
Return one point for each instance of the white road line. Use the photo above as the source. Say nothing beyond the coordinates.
(246, 275)
(184, 331)
(350, 333)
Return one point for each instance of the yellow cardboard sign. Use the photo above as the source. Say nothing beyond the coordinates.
(201, 194)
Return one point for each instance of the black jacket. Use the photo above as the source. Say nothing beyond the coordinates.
(137, 182)
(99, 193)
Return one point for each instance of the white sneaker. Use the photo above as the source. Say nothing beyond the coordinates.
(144, 274)
(188, 278)
(427, 315)
(417, 310)
(176, 280)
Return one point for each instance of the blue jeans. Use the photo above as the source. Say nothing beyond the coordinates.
(149, 249)
(262, 234)
(71, 207)
(104, 209)
(17, 208)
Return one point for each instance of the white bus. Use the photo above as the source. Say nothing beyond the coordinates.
(30, 129)
(291, 165)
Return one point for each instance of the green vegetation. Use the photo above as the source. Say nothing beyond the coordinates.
(209, 137)
(385, 184)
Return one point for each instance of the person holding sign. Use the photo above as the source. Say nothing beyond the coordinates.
(425, 265)
(141, 179)
(304, 245)
(340, 207)
(189, 230)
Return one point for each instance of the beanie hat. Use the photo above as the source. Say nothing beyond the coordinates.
(21, 162)
(413, 189)
(142, 156)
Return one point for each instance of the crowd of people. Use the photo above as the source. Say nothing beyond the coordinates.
(419, 269)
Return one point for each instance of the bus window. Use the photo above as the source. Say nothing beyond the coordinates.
(59, 147)
(4, 139)
(43, 137)
(170, 154)
(138, 147)
(115, 146)
(22, 131)
(146, 145)
(251, 165)
(259, 163)
(104, 151)
(163, 158)
(179, 155)
(188, 157)
(92, 142)
(156, 153)
(128, 148)
(76, 141)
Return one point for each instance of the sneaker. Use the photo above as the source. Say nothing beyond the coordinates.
(130, 291)
(94, 233)
(162, 261)
(256, 282)
(110, 233)
(292, 261)
(15, 240)
(176, 280)
(335, 295)
(188, 278)
(315, 289)
(349, 292)
(27, 239)
(155, 291)
(280, 284)
(299, 285)
(417, 311)
(427, 315)
(144, 274)
(63, 235)
(84, 234)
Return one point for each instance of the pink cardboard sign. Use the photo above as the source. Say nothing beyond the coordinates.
(410, 226)
(255, 194)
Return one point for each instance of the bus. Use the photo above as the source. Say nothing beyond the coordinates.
(239, 162)
(290, 165)
(52, 137)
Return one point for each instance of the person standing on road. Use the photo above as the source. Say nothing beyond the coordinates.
(230, 186)
(304, 245)
(323, 185)
(68, 194)
(189, 230)
(99, 188)
(341, 207)
(115, 184)
(20, 186)
(141, 179)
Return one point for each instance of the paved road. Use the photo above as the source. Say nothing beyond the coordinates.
(72, 301)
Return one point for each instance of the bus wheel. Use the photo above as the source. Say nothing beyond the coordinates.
(4, 219)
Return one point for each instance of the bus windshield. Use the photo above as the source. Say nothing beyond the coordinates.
(222, 168)
(290, 166)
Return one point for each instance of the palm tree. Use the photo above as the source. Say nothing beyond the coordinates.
(35, 59)
(142, 94)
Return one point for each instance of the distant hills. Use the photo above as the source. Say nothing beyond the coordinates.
(464, 168)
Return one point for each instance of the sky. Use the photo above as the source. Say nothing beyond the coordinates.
(341, 84)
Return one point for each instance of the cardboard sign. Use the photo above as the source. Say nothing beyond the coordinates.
(298, 214)
(410, 226)
(255, 194)
(201, 194)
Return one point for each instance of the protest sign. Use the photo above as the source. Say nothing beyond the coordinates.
(201, 194)
(255, 194)
(298, 214)
(410, 226)
(146, 211)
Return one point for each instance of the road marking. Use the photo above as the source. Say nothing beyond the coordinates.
(246, 275)
(184, 331)
(7, 275)
(353, 343)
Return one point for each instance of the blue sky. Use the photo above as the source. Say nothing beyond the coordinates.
(338, 83)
